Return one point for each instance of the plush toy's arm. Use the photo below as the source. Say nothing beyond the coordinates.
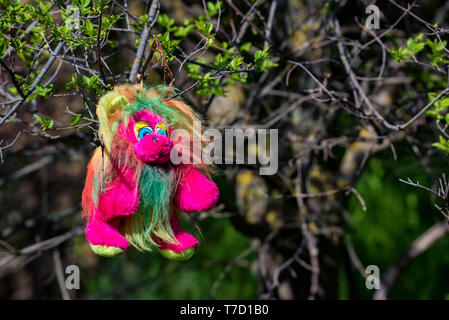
(120, 197)
(195, 192)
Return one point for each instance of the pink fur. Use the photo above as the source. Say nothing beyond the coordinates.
(185, 240)
(195, 192)
(142, 115)
(148, 116)
(154, 147)
(119, 197)
(99, 232)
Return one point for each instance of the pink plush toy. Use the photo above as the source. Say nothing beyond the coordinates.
(133, 192)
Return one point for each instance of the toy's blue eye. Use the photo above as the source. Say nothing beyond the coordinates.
(162, 129)
(144, 131)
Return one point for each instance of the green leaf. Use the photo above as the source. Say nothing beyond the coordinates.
(165, 21)
(183, 31)
(76, 119)
(44, 92)
(400, 54)
(263, 60)
(85, 3)
(44, 8)
(89, 28)
(443, 145)
(38, 119)
(3, 46)
(446, 118)
(213, 8)
(245, 47)
(46, 123)
(416, 45)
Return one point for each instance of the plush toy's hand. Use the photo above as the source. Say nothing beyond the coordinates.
(120, 197)
(196, 193)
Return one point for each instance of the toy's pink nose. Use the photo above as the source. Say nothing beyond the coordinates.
(154, 147)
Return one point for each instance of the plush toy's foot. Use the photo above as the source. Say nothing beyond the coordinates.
(184, 248)
(104, 238)
(178, 256)
(106, 251)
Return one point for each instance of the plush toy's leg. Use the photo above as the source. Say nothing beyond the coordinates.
(184, 249)
(104, 238)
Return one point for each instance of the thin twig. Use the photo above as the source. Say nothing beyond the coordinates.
(152, 16)
(421, 244)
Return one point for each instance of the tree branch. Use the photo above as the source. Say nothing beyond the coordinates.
(152, 16)
(424, 242)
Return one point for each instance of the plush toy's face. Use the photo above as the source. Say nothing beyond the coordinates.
(150, 135)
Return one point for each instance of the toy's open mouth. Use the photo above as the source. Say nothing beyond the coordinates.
(157, 164)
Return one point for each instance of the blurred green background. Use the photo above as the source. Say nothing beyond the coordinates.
(396, 215)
